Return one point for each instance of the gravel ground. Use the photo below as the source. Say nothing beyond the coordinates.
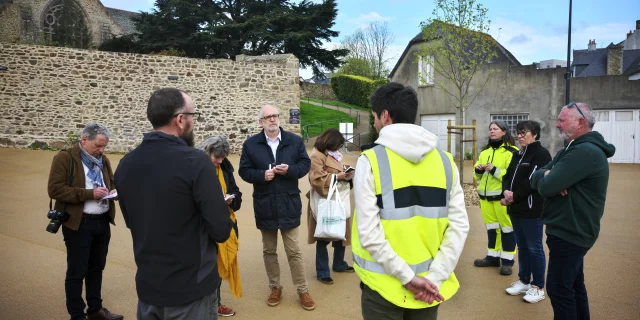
(470, 195)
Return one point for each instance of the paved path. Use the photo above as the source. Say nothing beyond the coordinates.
(32, 261)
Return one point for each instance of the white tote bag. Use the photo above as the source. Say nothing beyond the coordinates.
(331, 222)
(345, 197)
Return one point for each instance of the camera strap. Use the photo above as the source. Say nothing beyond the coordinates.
(70, 175)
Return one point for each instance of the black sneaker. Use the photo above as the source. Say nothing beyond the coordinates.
(326, 280)
(487, 262)
(347, 270)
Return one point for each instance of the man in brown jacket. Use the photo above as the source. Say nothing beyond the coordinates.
(87, 232)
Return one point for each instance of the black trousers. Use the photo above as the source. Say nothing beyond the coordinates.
(375, 307)
(86, 258)
(565, 280)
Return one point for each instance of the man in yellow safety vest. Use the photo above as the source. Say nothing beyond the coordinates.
(410, 222)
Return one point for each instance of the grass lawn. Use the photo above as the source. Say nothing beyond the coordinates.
(337, 104)
(310, 113)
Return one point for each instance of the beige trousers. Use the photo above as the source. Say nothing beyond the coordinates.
(270, 255)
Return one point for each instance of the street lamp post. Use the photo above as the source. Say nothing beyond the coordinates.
(567, 76)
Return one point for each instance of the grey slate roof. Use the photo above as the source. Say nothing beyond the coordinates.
(597, 66)
(596, 62)
(123, 18)
(631, 62)
(325, 78)
(581, 57)
(503, 53)
(634, 68)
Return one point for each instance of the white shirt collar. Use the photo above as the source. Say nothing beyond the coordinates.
(278, 138)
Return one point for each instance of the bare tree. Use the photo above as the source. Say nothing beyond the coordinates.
(456, 46)
(371, 44)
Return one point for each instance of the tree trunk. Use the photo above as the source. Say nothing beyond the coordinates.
(460, 144)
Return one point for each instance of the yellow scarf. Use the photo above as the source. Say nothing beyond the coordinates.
(228, 251)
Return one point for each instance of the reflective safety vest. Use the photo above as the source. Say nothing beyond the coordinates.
(490, 186)
(414, 206)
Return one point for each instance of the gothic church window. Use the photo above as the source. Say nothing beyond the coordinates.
(63, 24)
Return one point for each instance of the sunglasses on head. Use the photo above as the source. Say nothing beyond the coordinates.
(573, 104)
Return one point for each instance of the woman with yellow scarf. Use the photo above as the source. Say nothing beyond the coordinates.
(217, 147)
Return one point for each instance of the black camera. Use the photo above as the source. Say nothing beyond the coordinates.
(57, 218)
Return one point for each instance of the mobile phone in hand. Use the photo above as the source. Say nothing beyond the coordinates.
(231, 196)
(349, 169)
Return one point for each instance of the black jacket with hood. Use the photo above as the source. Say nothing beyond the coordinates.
(527, 202)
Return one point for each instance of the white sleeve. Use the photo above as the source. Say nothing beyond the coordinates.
(370, 230)
(454, 237)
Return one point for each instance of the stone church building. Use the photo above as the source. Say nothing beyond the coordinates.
(34, 21)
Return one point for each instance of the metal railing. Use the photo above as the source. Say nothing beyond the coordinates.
(352, 141)
(321, 124)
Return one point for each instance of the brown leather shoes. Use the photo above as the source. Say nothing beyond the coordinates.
(307, 302)
(274, 298)
(104, 314)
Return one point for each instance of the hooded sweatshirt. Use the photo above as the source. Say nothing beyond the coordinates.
(412, 143)
(581, 168)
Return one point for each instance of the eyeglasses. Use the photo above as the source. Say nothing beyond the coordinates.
(270, 117)
(573, 104)
(522, 133)
(196, 115)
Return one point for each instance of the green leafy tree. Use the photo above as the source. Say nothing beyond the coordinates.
(227, 28)
(456, 46)
(357, 67)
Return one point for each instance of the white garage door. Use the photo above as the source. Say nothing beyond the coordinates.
(622, 129)
(437, 124)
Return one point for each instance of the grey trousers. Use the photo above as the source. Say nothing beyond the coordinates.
(205, 308)
(375, 307)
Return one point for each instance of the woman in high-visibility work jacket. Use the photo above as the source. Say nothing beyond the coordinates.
(491, 166)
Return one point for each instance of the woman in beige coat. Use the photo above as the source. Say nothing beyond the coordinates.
(325, 162)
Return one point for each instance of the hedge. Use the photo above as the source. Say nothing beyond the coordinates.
(354, 89)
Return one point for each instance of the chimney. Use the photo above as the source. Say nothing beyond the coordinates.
(592, 45)
(614, 60)
(637, 24)
(629, 34)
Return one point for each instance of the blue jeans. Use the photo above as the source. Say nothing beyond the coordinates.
(565, 280)
(531, 259)
(322, 258)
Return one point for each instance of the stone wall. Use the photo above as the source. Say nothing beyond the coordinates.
(9, 22)
(317, 91)
(614, 60)
(21, 21)
(50, 93)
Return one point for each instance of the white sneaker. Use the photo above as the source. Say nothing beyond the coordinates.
(518, 288)
(534, 295)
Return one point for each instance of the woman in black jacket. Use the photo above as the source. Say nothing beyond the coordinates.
(524, 206)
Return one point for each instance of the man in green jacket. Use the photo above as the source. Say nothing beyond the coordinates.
(574, 186)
